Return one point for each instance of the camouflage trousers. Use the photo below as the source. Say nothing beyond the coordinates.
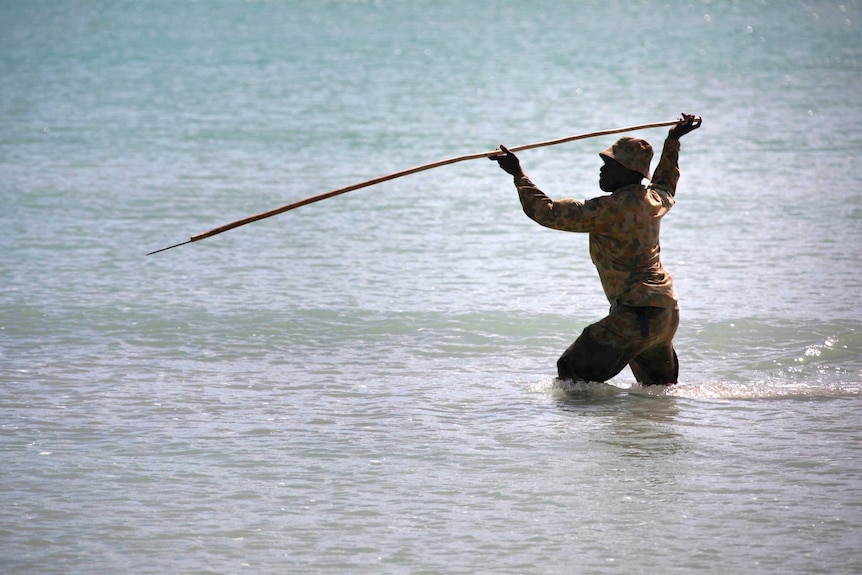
(640, 337)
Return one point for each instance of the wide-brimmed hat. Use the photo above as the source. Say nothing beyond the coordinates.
(633, 153)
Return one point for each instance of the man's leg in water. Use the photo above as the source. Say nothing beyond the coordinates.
(602, 351)
(622, 338)
(658, 364)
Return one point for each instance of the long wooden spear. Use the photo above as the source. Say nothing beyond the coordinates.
(422, 168)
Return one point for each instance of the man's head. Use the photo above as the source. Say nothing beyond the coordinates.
(626, 162)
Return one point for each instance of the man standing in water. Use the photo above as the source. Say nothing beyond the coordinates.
(624, 246)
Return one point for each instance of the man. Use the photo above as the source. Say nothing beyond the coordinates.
(624, 246)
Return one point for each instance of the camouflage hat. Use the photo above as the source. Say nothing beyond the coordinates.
(633, 153)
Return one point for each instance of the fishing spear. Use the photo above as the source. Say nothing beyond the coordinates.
(402, 173)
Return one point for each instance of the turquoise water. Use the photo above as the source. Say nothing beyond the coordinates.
(365, 385)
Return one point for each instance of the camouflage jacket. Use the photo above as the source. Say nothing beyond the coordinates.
(624, 231)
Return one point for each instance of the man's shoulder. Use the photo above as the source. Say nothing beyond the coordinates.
(662, 195)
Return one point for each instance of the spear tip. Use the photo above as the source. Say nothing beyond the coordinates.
(170, 247)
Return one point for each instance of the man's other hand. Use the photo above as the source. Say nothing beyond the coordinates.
(508, 161)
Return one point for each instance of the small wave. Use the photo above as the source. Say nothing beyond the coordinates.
(708, 391)
(757, 390)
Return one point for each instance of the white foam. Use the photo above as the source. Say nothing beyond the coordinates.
(708, 390)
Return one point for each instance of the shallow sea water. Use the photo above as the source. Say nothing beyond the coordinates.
(365, 385)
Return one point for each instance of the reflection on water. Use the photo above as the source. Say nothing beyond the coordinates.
(638, 424)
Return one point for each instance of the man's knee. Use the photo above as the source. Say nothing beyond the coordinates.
(565, 369)
(657, 368)
(586, 365)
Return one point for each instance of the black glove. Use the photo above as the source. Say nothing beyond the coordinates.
(508, 162)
